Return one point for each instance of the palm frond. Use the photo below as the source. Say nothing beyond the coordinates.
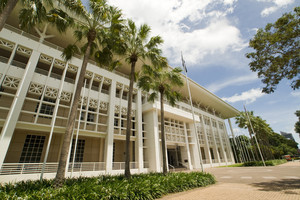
(144, 32)
(70, 51)
(60, 19)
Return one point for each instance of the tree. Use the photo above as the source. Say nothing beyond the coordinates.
(36, 12)
(297, 124)
(6, 7)
(89, 34)
(262, 130)
(272, 144)
(137, 47)
(162, 82)
(277, 50)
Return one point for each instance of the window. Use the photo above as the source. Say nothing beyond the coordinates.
(212, 153)
(46, 109)
(32, 149)
(79, 150)
(116, 122)
(91, 116)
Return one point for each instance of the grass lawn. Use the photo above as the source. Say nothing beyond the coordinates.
(141, 186)
(258, 163)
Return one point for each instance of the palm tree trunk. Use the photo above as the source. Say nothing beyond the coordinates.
(162, 125)
(128, 129)
(60, 175)
(6, 12)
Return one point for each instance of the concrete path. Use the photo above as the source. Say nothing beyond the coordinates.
(249, 183)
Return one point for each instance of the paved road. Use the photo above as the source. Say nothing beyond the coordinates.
(275, 183)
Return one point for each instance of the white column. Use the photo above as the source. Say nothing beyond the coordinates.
(54, 119)
(14, 112)
(221, 142)
(215, 143)
(109, 141)
(139, 132)
(206, 139)
(187, 148)
(197, 161)
(229, 149)
(153, 143)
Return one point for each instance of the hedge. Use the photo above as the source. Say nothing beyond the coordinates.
(142, 186)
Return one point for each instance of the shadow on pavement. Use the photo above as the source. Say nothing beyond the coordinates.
(285, 185)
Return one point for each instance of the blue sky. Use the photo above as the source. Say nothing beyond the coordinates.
(213, 36)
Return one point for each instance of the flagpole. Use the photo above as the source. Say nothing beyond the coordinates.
(193, 113)
(262, 158)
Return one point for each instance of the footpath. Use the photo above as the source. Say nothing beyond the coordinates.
(280, 182)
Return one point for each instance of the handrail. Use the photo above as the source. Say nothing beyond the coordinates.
(180, 163)
(172, 167)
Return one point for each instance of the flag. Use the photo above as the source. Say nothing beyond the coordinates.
(183, 63)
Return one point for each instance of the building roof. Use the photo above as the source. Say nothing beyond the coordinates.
(201, 96)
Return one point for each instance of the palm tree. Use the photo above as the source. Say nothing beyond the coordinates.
(89, 34)
(36, 8)
(137, 47)
(6, 6)
(161, 81)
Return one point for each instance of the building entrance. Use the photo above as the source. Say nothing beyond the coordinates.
(174, 156)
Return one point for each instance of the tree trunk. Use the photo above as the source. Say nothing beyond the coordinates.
(6, 12)
(162, 130)
(60, 175)
(128, 127)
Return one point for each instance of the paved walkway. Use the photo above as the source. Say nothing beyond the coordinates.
(249, 183)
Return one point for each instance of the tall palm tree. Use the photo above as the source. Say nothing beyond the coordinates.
(89, 35)
(6, 7)
(162, 81)
(137, 47)
(34, 7)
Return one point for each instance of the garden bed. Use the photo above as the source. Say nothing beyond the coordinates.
(142, 186)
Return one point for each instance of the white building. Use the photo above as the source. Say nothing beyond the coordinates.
(37, 87)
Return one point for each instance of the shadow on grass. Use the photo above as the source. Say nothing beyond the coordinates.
(287, 186)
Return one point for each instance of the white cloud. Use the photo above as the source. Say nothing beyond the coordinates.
(197, 28)
(249, 96)
(296, 93)
(233, 81)
(277, 4)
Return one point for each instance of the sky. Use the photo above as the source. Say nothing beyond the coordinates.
(213, 36)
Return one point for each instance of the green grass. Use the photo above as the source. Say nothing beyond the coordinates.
(234, 165)
(258, 163)
(142, 186)
(268, 163)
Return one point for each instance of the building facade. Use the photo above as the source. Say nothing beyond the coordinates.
(36, 92)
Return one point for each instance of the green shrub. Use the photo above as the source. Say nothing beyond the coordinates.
(268, 163)
(141, 186)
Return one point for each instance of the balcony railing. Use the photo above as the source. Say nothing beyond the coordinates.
(3, 59)
(35, 168)
(27, 168)
(121, 165)
(18, 64)
(87, 166)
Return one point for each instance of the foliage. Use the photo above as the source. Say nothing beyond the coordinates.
(234, 165)
(90, 32)
(268, 163)
(161, 81)
(142, 186)
(137, 48)
(277, 49)
(273, 145)
(297, 124)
